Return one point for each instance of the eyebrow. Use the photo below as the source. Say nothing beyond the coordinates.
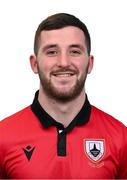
(70, 46)
(49, 46)
(77, 46)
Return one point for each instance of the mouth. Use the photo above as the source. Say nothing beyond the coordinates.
(63, 78)
(63, 74)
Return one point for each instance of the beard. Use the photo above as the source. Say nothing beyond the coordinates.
(62, 96)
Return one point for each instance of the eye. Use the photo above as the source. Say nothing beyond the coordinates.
(51, 53)
(75, 52)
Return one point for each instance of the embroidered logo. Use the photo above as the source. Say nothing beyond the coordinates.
(95, 149)
(28, 152)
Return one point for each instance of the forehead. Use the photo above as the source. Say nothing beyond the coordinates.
(64, 36)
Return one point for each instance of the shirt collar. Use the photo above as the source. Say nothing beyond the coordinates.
(46, 120)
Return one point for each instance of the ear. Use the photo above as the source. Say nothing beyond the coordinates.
(33, 63)
(91, 61)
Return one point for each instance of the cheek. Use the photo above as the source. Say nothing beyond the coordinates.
(83, 67)
(45, 68)
(47, 63)
(43, 65)
(84, 70)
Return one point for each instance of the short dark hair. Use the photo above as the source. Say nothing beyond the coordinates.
(58, 21)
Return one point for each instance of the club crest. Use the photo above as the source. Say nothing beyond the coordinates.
(94, 149)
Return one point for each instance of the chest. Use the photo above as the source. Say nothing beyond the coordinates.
(81, 156)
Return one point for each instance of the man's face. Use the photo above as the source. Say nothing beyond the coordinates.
(63, 63)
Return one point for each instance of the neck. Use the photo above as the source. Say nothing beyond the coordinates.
(61, 112)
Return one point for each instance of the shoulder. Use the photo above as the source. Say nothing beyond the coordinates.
(15, 126)
(16, 118)
(107, 121)
(102, 115)
(110, 128)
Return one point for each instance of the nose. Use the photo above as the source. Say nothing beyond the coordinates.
(63, 60)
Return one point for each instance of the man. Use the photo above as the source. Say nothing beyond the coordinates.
(61, 135)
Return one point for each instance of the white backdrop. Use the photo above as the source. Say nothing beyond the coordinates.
(107, 22)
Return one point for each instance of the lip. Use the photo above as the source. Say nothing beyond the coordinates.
(63, 74)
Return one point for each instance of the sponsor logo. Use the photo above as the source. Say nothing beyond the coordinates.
(94, 149)
(28, 151)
